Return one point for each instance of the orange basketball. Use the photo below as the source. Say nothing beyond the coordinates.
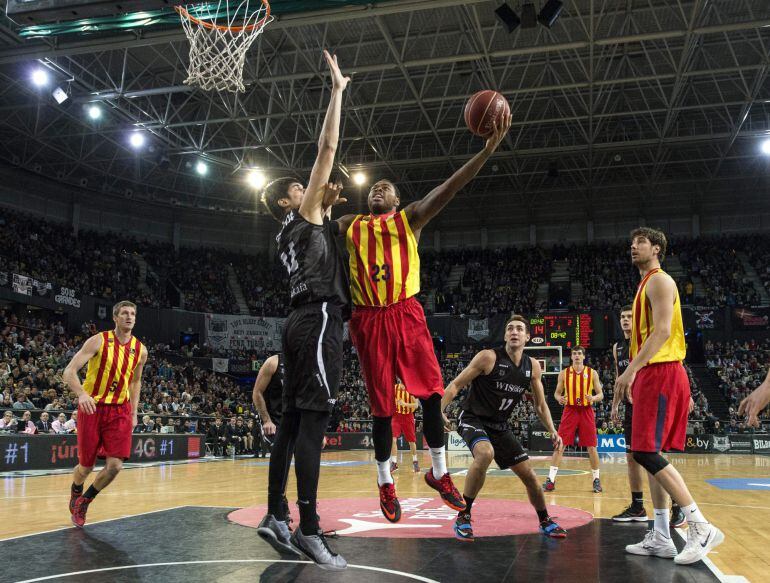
(483, 109)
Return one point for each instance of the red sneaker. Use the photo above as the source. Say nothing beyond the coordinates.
(389, 504)
(446, 488)
(73, 496)
(79, 511)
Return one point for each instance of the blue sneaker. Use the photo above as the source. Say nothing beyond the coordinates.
(463, 528)
(550, 529)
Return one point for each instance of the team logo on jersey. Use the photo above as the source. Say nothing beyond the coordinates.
(528, 374)
(132, 351)
(109, 340)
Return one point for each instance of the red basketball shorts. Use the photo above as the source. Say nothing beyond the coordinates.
(579, 421)
(395, 341)
(661, 394)
(105, 433)
(403, 425)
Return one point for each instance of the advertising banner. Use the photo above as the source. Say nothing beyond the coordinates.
(698, 444)
(761, 443)
(455, 442)
(612, 443)
(751, 318)
(741, 443)
(42, 452)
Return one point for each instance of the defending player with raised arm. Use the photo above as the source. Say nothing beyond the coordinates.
(388, 326)
(107, 404)
(656, 383)
(498, 380)
(577, 389)
(312, 338)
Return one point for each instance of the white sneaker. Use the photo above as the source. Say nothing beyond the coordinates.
(702, 537)
(653, 545)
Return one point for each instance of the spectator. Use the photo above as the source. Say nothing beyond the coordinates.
(8, 422)
(217, 437)
(44, 425)
(22, 402)
(60, 424)
(26, 425)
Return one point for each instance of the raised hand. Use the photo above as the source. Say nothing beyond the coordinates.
(501, 128)
(332, 195)
(339, 81)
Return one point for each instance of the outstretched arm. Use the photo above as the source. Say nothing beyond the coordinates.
(311, 208)
(419, 213)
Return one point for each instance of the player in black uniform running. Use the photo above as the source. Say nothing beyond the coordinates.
(312, 337)
(636, 511)
(498, 380)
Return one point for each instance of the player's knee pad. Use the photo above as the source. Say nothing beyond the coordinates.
(652, 462)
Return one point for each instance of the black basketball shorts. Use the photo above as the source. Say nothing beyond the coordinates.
(508, 450)
(312, 349)
(627, 424)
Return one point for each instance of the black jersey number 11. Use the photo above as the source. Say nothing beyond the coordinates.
(380, 272)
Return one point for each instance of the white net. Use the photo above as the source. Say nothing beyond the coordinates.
(220, 34)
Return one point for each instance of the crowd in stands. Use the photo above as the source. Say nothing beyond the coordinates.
(740, 367)
(108, 265)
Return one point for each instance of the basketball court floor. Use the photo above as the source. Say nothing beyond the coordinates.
(193, 521)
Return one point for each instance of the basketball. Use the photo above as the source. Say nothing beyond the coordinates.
(483, 109)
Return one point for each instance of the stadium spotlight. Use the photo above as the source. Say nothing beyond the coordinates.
(508, 17)
(550, 13)
(94, 112)
(201, 168)
(40, 77)
(528, 15)
(359, 178)
(137, 140)
(766, 147)
(256, 179)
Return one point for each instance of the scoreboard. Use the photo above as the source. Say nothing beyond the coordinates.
(566, 330)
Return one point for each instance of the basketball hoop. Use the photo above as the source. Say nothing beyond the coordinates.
(218, 51)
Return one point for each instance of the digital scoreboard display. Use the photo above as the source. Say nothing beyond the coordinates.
(566, 330)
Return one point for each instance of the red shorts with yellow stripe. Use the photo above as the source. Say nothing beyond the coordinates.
(394, 341)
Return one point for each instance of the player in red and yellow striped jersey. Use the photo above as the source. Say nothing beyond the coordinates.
(388, 326)
(402, 423)
(107, 403)
(578, 389)
(656, 384)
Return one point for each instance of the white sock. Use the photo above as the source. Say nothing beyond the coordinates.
(693, 514)
(394, 459)
(438, 457)
(414, 458)
(595, 474)
(552, 473)
(661, 522)
(383, 473)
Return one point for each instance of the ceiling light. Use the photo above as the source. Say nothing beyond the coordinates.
(766, 147)
(137, 140)
(550, 13)
(94, 112)
(60, 95)
(359, 178)
(40, 77)
(201, 168)
(256, 179)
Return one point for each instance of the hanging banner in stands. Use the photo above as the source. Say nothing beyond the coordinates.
(760, 443)
(704, 317)
(43, 452)
(29, 286)
(67, 296)
(243, 332)
(740, 443)
(751, 318)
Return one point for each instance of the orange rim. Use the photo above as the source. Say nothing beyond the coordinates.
(211, 26)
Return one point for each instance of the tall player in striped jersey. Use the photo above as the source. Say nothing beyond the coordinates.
(498, 380)
(656, 383)
(402, 423)
(574, 390)
(636, 511)
(388, 326)
(107, 403)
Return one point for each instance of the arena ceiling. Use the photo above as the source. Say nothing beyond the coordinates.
(621, 104)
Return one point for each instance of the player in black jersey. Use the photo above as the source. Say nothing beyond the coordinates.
(498, 380)
(312, 336)
(268, 396)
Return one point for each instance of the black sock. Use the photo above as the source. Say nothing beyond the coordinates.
(77, 489)
(432, 421)
(280, 464)
(308, 517)
(307, 466)
(675, 508)
(91, 492)
(382, 435)
(637, 501)
(542, 514)
(468, 504)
